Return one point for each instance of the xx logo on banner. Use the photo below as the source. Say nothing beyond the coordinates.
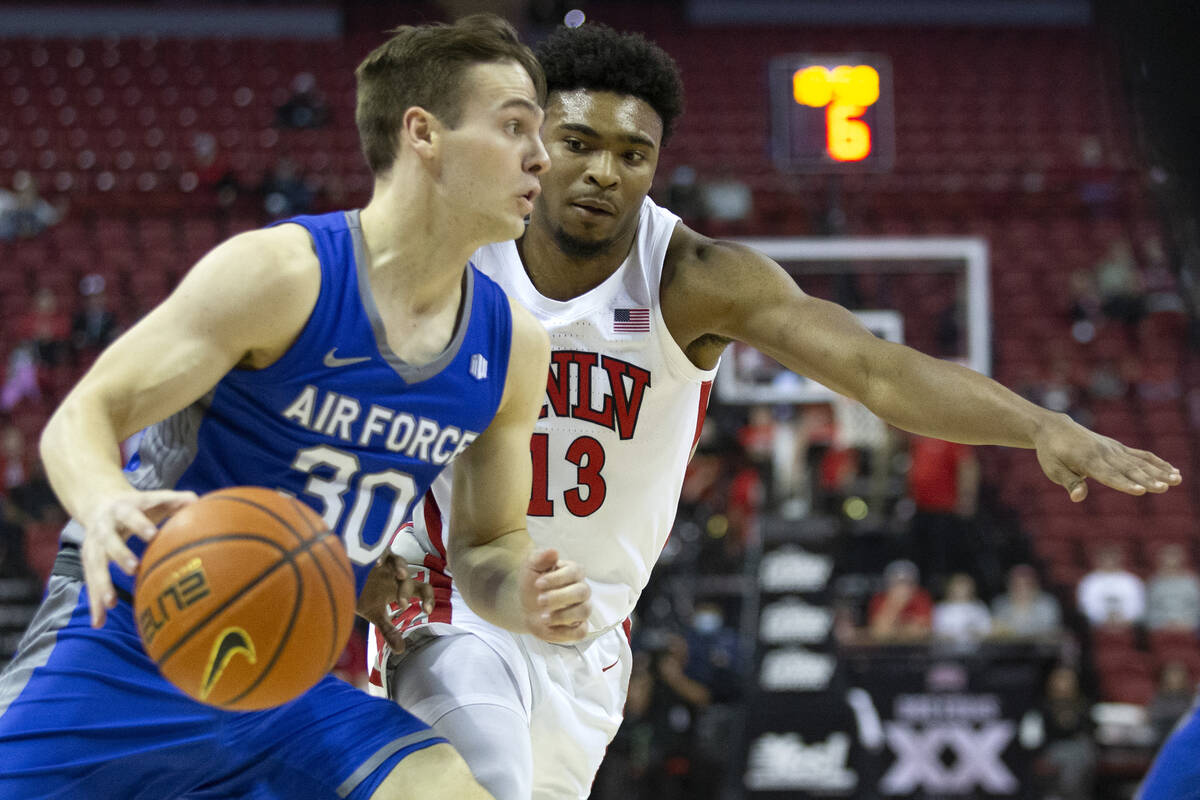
(977, 758)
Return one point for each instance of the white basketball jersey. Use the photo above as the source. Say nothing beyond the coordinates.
(622, 413)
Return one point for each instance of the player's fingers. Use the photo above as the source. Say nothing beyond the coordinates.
(569, 616)
(424, 592)
(1057, 471)
(564, 574)
(570, 595)
(565, 634)
(392, 636)
(399, 572)
(1163, 470)
(101, 595)
(544, 560)
(383, 623)
(1122, 474)
(1142, 474)
(129, 521)
(160, 503)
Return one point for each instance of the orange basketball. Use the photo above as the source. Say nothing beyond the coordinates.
(245, 598)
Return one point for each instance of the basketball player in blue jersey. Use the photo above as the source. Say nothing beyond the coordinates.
(596, 246)
(344, 359)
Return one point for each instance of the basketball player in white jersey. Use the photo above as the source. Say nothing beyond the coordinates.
(639, 309)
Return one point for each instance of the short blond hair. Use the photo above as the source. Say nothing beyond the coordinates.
(423, 66)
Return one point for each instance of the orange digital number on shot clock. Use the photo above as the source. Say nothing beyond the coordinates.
(845, 92)
(832, 113)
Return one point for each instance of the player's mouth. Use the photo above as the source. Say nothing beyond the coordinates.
(527, 199)
(595, 207)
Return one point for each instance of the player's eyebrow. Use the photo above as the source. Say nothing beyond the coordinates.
(587, 130)
(521, 102)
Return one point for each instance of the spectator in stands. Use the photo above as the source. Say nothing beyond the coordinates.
(213, 171)
(23, 211)
(1085, 305)
(1024, 610)
(1107, 381)
(1172, 593)
(961, 617)
(14, 459)
(1171, 700)
(1158, 383)
(714, 657)
(305, 108)
(1110, 594)
(285, 192)
(94, 325)
(684, 196)
(726, 199)
(1158, 279)
(1060, 391)
(1068, 759)
(903, 611)
(675, 705)
(1119, 284)
(714, 660)
(623, 770)
(13, 563)
(46, 328)
(20, 377)
(943, 482)
(34, 500)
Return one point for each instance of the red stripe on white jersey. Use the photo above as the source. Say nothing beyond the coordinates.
(705, 389)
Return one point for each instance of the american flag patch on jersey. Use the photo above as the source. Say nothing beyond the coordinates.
(631, 320)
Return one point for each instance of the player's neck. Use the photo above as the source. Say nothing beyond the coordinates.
(414, 275)
(415, 248)
(561, 275)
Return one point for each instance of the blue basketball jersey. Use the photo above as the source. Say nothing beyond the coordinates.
(339, 421)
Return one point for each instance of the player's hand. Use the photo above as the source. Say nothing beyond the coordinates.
(388, 583)
(556, 598)
(1070, 454)
(127, 514)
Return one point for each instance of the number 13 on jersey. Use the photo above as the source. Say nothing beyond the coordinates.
(587, 454)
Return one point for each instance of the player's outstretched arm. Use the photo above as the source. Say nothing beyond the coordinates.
(501, 575)
(242, 303)
(737, 293)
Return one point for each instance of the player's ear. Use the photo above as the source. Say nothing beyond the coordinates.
(419, 130)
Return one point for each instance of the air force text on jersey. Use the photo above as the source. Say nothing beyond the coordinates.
(343, 417)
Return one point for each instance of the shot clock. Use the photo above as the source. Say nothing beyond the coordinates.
(832, 113)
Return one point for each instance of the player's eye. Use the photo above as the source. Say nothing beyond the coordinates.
(574, 145)
(634, 157)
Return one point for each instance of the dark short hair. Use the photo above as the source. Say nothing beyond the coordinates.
(423, 66)
(597, 58)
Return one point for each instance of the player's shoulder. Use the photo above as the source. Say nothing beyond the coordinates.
(284, 245)
(696, 262)
(272, 258)
(689, 249)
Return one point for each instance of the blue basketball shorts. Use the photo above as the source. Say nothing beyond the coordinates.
(85, 713)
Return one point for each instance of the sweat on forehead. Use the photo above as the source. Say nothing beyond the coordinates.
(606, 114)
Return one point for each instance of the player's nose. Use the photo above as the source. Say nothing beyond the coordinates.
(538, 162)
(602, 170)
